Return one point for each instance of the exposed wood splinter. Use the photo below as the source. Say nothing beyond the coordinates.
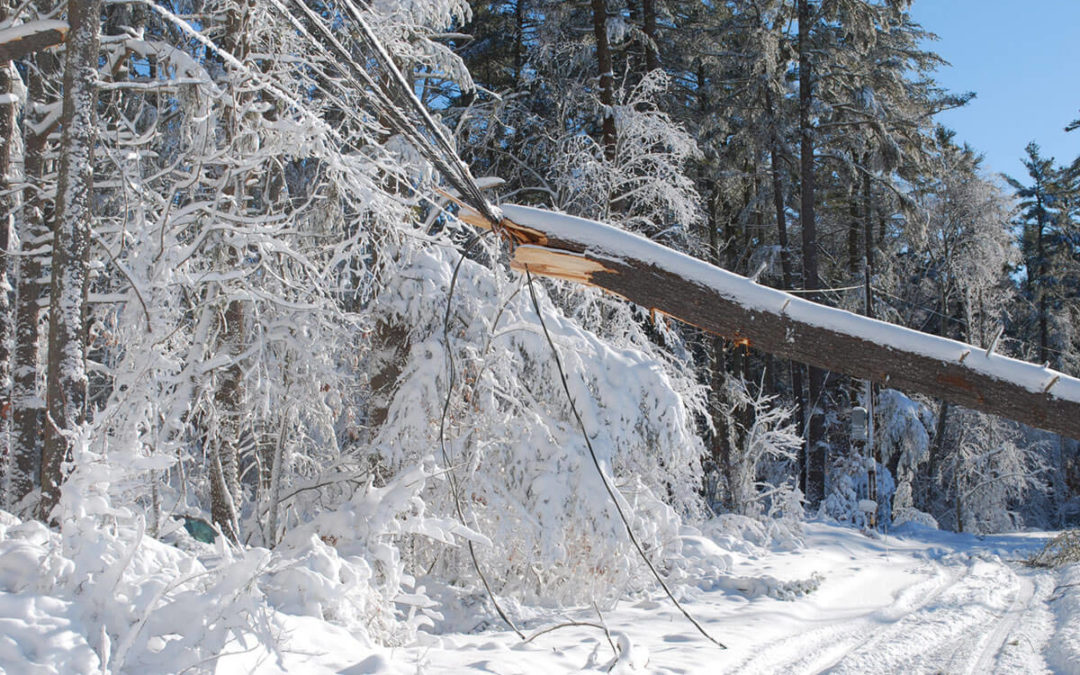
(557, 264)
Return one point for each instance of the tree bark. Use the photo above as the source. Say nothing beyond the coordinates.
(225, 494)
(775, 322)
(27, 406)
(816, 449)
(607, 77)
(648, 11)
(65, 391)
(7, 208)
(796, 369)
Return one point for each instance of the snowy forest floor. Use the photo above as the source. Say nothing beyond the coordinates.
(913, 601)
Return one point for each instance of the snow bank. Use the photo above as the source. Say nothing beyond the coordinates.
(1063, 651)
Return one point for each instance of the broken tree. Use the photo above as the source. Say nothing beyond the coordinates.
(695, 292)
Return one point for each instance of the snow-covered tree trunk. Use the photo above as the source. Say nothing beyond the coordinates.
(723, 303)
(229, 396)
(7, 209)
(66, 371)
(27, 405)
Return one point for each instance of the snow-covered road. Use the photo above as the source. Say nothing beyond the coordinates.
(918, 602)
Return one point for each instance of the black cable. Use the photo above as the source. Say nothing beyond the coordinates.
(442, 433)
(600, 470)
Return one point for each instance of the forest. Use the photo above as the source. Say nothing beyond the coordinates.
(254, 349)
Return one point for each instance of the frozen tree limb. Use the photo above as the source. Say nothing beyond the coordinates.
(695, 292)
(18, 41)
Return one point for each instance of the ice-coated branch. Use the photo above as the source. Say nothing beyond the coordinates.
(19, 41)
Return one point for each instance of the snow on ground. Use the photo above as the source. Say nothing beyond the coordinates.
(916, 601)
(912, 601)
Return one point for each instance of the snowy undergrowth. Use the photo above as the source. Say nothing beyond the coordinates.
(526, 479)
(101, 594)
(1063, 651)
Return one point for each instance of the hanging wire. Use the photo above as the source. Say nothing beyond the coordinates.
(599, 469)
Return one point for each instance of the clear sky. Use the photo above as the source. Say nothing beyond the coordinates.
(1022, 59)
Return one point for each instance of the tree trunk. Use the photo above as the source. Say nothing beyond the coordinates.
(726, 304)
(519, 40)
(225, 494)
(65, 391)
(225, 462)
(28, 413)
(7, 209)
(1040, 286)
(607, 77)
(648, 11)
(795, 369)
(816, 450)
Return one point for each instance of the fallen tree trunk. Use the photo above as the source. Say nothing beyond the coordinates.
(782, 324)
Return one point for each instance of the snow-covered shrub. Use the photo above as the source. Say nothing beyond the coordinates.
(524, 475)
(987, 469)
(645, 187)
(848, 499)
(769, 440)
(115, 599)
(902, 430)
(904, 511)
(345, 566)
(1062, 549)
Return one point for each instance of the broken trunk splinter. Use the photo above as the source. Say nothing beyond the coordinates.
(994, 342)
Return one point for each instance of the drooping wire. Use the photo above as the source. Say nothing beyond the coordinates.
(377, 97)
(451, 476)
(600, 471)
(471, 193)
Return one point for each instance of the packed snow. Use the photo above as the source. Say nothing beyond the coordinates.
(913, 600)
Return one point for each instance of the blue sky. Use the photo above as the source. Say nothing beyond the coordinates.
(1022, 58)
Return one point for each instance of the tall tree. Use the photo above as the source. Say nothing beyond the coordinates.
(816, 454)
(1038, 237)
(605, 75)
(66, 381)
(7, 213)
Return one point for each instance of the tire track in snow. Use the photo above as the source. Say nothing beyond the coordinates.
(988, 655)
(960, 631)
(820, 649)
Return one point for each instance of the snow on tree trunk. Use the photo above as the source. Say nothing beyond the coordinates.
(27, 405)
(66, 373)
(775, 322)
(7, 208)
